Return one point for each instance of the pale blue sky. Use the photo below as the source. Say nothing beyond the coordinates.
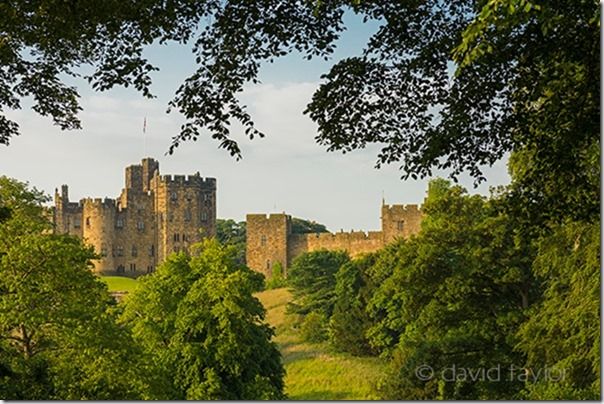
(286, 171)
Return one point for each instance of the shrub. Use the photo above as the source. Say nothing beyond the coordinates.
(314, 327)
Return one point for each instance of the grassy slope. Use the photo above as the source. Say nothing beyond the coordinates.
(119, 283)
(313, 371)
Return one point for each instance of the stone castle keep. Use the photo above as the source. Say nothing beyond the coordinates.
(154, 216)
(270, 239)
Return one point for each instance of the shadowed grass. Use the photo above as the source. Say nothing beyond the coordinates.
(313, 371)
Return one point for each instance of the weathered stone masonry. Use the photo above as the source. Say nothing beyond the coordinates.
(270, 239)
(154, 216)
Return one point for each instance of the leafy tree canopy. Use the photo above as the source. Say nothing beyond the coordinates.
(197, 319)
(456, 296)
(302, 226)
(446, 84)
(563, 330)
(312, 278)
(230, 232)
(58, 334)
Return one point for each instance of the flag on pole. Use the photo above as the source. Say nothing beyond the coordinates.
(145, 125)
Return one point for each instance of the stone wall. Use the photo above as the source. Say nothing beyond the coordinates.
(269, 238)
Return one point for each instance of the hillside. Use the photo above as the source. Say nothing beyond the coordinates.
(314, 372)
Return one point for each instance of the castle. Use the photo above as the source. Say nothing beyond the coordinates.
(270, 239)
(154, 216)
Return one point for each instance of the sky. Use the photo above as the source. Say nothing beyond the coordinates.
(284, 172)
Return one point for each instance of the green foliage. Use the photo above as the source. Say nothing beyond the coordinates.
(277, 279)
(302, 226)
(527, 77)
(314, 327)
(554, 86)
(563, 330)
(455, 298)
(58, 333)
(230, 232)
(312, 278)
(350, 320)
(198, 321)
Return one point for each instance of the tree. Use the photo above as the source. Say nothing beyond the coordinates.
(277, 279)
(58, 334)
(350, 320)
(312, 279)
(230, 232)
(562, 333)
(441, 85)
(302, 226)
(455, 300)
(314, 327)
(197, 319)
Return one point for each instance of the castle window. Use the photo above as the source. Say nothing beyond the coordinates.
(204, 216)
(120, 251)
(176, 237)
(119, 223)
(400, 224)
(263, 240)
(206, 197)
(120, 269)
(133, 267)
(134, 251)
(171, 217)
(104, 251)
(76, 223)
(187, 216)
(176, 249)
(268, 264)
(140, 225)
(149, 269)
(173, 196)
(152, 250)
(88, 221)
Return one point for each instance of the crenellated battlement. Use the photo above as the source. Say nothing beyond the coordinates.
(266, 217)
(106, 203)
(345, 236)
(194, 180)
(402, 208)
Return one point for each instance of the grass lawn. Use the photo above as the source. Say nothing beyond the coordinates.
(119, 283)
(313, 371)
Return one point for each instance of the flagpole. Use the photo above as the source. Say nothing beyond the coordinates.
(144, 137)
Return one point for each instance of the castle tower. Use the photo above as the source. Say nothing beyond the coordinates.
(267, 241)
(149, 168)
(98, 230)
(67, 215)
(61, 201)
(185, 211)
(400, 221)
